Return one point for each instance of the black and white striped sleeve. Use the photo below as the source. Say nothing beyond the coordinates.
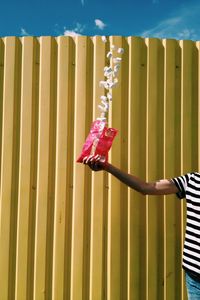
(181, 183)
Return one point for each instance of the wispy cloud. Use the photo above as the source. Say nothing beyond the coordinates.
(76, 31)
(83, 2)
(183, 24)
(71, 33)
(100, 24)
(24, 32)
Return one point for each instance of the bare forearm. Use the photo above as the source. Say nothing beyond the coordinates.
(130, 180)
(159, 187)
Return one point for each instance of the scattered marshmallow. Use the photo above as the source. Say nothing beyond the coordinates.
(117, 60)
(110, 72)
(102, 83)
(104, 39)
(103, 98)
(103, 119)
(105, 103)
(113, 47)
(116, 67)
(103, 108)
(107, 71)
(120, 50)
(109, 54)
(114, 83)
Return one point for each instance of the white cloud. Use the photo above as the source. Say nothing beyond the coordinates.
(79, 27)
(71, 33)
(76, 31)
(187, 34)
(100, 24)
(183, 24)
(24, 32)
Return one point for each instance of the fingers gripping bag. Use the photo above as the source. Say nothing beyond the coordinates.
(99, 141)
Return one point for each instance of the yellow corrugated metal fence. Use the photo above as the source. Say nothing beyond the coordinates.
(68, 233)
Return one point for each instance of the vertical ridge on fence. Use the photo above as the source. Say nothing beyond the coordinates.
(9, 166)
(33, 175)
(155, 74)
(171, 143)
(97, 242)
(26, 185)
(46, 170)
(137, 165)
(1, 93)
(114, 287)
(69, 233)
(198, 82)
(188, 130)
(82, 184)
(64, 175)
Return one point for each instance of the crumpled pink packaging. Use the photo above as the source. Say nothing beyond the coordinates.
(99, 140)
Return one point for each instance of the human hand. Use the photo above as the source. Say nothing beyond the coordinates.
(95, 162)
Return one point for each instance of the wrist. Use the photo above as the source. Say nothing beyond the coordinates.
(107, 166)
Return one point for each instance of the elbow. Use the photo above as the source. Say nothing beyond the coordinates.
(146, 189)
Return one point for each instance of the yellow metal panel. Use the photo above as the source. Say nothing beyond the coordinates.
(155, 73)
(9, 167)
(188, 119)
(25, 184)
(97, 288)
(171, 158)
(45, 175)
(116, 194)
(198, 125)
(81, 182)
(1, 93)
(64, 176)
(137, 164)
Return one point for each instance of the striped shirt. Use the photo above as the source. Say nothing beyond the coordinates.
(189, 188)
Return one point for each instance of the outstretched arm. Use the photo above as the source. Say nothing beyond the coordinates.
(160, 187)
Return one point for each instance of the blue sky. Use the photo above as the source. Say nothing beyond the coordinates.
(148, 18)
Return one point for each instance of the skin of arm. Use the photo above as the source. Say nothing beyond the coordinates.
(160, 187)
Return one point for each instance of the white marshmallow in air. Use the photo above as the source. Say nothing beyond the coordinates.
(104, 39)
(120, 50)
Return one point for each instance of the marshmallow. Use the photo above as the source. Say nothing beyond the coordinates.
(103, 108)
(116, 67)
(106, 86)
(105, 103)
(103, 114)
(117, 60)
(113, 83)
(103, 98)
(103, 119)
(104, 39)
(120, 50)
(109, 54)
(102, 83)
(113, 47)
(108, 72)
(107, 69)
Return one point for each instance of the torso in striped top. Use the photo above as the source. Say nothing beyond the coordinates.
(189, 188)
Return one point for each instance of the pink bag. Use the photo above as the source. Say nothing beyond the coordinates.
(99, 140)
